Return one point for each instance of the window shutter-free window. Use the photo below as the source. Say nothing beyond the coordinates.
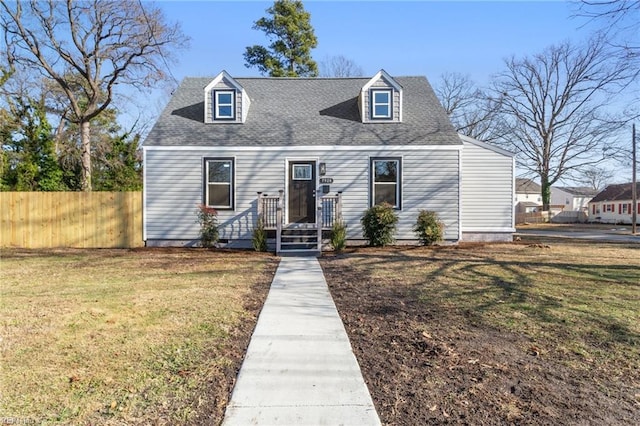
(224, 105)
(386, 181)
(381, 103)
(219, 182)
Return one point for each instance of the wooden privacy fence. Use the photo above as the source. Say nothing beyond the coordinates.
(71, 219)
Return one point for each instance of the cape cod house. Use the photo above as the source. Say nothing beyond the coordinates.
(614, 204)
(300, 153)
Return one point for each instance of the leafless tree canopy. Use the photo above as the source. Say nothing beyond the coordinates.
(555, 105)
(594, 177)
(339, 66)
(89, 48)
(471, 110)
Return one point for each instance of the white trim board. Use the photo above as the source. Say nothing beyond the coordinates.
(285, 148)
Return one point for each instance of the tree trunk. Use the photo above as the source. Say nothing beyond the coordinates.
(546, 192)
(85, 137)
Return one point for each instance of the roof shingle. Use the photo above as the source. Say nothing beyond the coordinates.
(618, 192)
(303, 111)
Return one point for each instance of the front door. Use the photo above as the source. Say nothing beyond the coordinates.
(302, 191)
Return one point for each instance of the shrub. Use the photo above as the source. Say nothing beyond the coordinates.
(259, 239)
(428, 227)
(339, 235)
(379, 224)
(208, 220)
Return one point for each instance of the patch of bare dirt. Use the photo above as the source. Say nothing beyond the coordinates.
(425, 365)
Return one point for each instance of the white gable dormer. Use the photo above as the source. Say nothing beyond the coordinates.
(225, 101)
(380, 100)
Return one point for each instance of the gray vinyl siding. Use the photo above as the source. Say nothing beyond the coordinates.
(487, 189)
(174, 187)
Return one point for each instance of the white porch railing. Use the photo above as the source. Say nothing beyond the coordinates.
(271, 207)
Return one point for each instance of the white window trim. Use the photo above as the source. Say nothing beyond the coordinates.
(389, 104)
(217, 104)
(231, 185)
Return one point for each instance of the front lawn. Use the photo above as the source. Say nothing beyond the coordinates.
(149, 336)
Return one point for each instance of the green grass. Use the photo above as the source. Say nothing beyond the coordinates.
(101, 336)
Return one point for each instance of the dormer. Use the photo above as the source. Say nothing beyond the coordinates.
(225, 101)
(380, 100)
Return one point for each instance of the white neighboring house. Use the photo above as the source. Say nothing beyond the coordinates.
(613, 204)
(528, 196)
(575, 199)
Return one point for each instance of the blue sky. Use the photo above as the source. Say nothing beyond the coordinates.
(426, 38)
(405, 38)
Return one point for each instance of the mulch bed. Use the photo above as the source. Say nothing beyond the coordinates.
(425, 365)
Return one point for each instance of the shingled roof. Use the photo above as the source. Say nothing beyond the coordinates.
(579, 191)
(619, 192)
(527, 186)
(303, 111)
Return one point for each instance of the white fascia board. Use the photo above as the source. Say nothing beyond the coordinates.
(223, 75)
(486, 145)
(294, 148)
(386, 76)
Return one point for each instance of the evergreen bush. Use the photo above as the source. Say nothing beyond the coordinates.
(428, 227)
(379, 224)
(339, 235)
(208, 220)
(259, 239)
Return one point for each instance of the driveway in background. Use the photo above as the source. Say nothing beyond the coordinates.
(606, 235)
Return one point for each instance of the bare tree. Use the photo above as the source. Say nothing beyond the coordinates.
(339, 66)
(105, 43)
(472, 111)
(623, 13)
(555, 105)
(594, 177)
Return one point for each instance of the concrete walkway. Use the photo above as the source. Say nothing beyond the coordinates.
(299, 368)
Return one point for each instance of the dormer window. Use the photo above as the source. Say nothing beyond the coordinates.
(380, 100)
(225, 101)
(381, 104)
(224, 105)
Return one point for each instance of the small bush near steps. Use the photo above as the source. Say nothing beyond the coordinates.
(259, 239)
(428, 228)
(379, 225)
(339, 236)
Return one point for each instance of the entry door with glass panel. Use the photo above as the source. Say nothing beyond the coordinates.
(302, 192)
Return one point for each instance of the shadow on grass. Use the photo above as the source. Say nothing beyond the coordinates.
(567, 298)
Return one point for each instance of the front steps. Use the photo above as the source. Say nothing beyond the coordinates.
(299, 240)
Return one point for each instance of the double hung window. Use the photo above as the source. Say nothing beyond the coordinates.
(224, 105)
(386, 181)
(219, 183)
(381, 104)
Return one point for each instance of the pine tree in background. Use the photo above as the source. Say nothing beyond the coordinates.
(292, 38)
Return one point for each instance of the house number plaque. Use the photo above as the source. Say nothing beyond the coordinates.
(326, 180)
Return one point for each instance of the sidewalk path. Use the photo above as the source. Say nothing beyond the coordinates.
(299, 368)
